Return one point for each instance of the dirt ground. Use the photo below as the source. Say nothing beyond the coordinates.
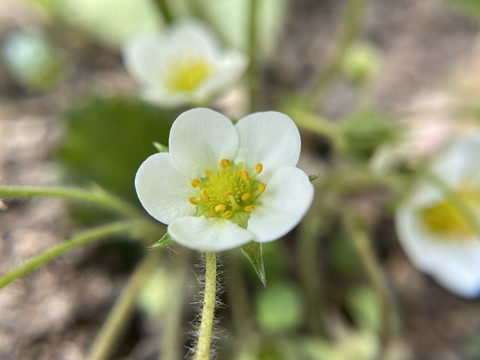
(56, 312)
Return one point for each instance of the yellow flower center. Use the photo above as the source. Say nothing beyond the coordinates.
(447, 222)
(185, 73)
(231, 192)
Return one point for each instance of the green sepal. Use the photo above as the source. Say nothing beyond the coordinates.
(253, 252)
(312, 177)
(164, 241)
(160, 147)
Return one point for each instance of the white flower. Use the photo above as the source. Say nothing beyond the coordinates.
(223, 185)
(184, 65)
(435, 234)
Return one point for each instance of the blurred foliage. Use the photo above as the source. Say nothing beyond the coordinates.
(107, 139)
(471, 7)
(33, 60)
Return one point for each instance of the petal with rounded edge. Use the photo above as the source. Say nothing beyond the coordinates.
(208, 234)
(455, 265)
(271, 138)
(199, 139)
(163, 191)
(287, 198)
(141, 58)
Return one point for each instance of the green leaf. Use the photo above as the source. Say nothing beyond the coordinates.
(164, 241)
(312, 177)
(107, 139)
(253, 251)
(160, 147)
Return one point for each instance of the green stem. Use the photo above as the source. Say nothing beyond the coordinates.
(171, 338)
(202, 351)
(253, 74)
(362, 244)
(307, 245)
(111, 330)
(348, 33)
(95, 196)
(164, 10)
(55, 251)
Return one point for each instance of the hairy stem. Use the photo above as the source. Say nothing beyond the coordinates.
(202, 351)
(115, 323)
(362, 244)
(77, 241)
(95, 196)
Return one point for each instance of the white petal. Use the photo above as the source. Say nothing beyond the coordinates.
(456, 266)
(194, 37)
(141, 57)
(210, 234)
(163, 192)
(287, 198)
(271, 138)
(199, 139)
(228, 70)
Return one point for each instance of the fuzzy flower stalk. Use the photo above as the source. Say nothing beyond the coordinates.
(184, 65)
(438, 224)
(223, 185)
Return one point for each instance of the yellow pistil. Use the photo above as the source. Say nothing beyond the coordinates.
(259, 168)
(186, 72)
(224, 163)
(228, 192)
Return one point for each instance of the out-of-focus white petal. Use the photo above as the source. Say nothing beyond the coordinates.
(455, 264)
(192, 36)
(270, 138)
(163, 191)
(208, 234)
(140, 56)
(287, 198)
(199, 139)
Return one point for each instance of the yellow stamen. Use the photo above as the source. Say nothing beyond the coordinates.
(261, 187)
(249, 208)
(193, 201)
(227, 214)
(204, 195)
(246, 196)
(195, 182)
(240, 165)
(259, 168)
(224, 163)
(244, 174)
(208, 172)
(220, 207)
(229, 192)
(210, 214)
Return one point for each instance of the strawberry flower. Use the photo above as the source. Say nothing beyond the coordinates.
(223, 185)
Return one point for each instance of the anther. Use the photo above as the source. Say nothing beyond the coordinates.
(204, 194)
(249, 208)
(195, 182)
(208, 172)
(228, 193)
(210, 214)
(261, 187)
(224, 163)
(193, 201)
(244, 174)
(246, 196)
(227, 214)
(259, 168)
(220, 207)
